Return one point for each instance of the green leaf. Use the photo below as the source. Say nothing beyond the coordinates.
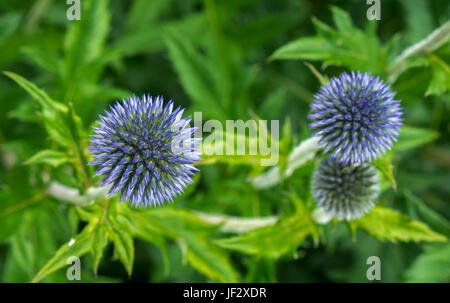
(215, 146)
(52, 112)
(388, 224)
(84, 58)
(308, 48)
(39, 95)
(101, 239)
(78, 246)
(195, 73)
(425, 213)
(264, 29)
(384, 164)
(123, 245)
(77, 135)
(347, 46)
(24, 112)
(22, 254)
(192, 233)
(431, 43)
(432, 266)
(150, 38)
(273, 241)
(411, 137)
(85, 38)
(50, 157)
(147, 232)
(8, 24)
(56, 130)
(143, 12)
(342, 20)
(209, 260)
(440, 81)
(44, 58)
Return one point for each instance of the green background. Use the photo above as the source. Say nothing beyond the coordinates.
(225, 59)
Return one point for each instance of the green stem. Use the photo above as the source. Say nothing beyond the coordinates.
(230, 224)
(71, 195)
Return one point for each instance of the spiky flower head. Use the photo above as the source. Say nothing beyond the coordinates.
(145, 150)
(356, 117)
(345, 191)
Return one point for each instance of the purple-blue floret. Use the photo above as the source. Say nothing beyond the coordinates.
(345, 191)
(356, 117)
(144, 150)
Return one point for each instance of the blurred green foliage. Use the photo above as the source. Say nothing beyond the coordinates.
(234, 59)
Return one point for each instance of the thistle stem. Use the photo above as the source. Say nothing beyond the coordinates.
(72, 196)
(229, 224)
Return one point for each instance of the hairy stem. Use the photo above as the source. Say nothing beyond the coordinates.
(229, 224)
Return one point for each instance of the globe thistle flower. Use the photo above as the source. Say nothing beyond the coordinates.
(345, 192)
(356, 117)
(144, 150)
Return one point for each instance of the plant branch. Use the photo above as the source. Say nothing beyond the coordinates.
(71, 195)
(230, 224)
(432, 42)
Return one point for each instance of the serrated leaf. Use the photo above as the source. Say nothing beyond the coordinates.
(78, 246)
(427, 45)
(147, 232)
(194, 71)
(23, 254)
(44, 58)
(308, 48)
(273, 241)
(346, 46)
(101, 240)
(193, 233)
(84, 57)
(57, 131)
(123, 245)
(52, 113)
(432, 42)
(388, 224)
(77, 135)
(50, 157)
(209, 260)
(148, 39)
(411, 137)
(85, 38)
(24, 112)
(342, 20)
(39, 95)
(286, 140)
(440, 80)
(384, 164)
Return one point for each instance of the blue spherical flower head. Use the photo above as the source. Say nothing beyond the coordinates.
(345, 191)
(145, 150)
(356, 117)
